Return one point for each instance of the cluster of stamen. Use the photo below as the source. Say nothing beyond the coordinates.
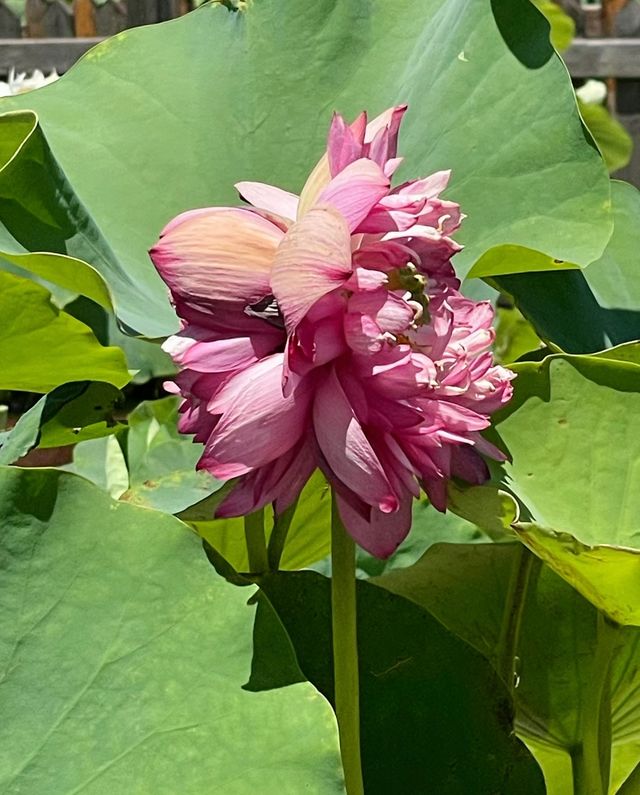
(414, 285)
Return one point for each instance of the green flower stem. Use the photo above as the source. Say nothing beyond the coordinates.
(345, 651)
(256, 542)
(591, 758)
(507, 649)
(279, 534)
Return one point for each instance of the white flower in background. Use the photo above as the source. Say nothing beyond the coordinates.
(593, 92)
(20, 83)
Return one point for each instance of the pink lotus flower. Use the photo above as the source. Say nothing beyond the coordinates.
(327, 330)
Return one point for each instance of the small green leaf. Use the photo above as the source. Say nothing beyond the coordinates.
(486, 507)
(42, 347)
(72, 274)
(70, 413)
(609, 576)
(502, 260)
(102, 462)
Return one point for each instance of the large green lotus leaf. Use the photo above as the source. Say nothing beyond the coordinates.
(70, 413)
(123, 657)
(468, 589)
(627, 352)
(41, 212)
(573, 432)
(586, 311)
(42, 347)
(434, 715)
(164, 128)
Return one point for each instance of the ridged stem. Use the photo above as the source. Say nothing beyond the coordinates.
(591, 758)
(507, 650)
(345, 651)
(256, 542)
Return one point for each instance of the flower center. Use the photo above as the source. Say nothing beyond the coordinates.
(410, 281)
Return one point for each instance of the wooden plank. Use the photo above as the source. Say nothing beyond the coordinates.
(111, 18)
(48, 18)
(84, 18)
(10, 27)
(146, 12)
(603, 58)
(631, 172)
(25, 55)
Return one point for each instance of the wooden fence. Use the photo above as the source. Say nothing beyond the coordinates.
(41, 19)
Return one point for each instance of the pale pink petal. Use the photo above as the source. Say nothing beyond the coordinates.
(391, 313)
(381, 221)
(406, 378)
(392, 165)
(345, 142)
(467, 464)
(379, 147)
(443, 215)
(316, 182)
(380, 533)
(362, 333)
(355, 191)
(313, 259)
(281, 480)
(396, 459)
(428, 187)
(385, 255)
(365, 279)
(319, 341)
(461, 419)
(391, 118)
(219, 255)
(258, 423)
(227, 354)
(346, 447)
(373, 318)
(486, 448)
(269, 198)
